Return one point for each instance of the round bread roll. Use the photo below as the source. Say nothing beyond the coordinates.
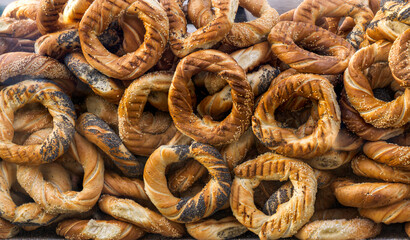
(290, 216)
(54, 200)
(285, 36)
(180, 104)
(61, 109)
(284, 140)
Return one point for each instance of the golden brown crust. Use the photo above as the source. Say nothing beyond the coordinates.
(8, 230)
(74, 10)
(101, 85)
(60, 108)
(23, 29)
(219, 103)
(382, 28)
(130, 211)
(357, 228)
(291, 215)
(143, 132)
(235, 152)
(31, 119)
(55, 201)
(16, 45)
(390, 154)
(355, 123)
(183, 43)
(48, 14)
(283, 140)
(129, 66)
(76, 229)
(211, 198)
(347, 141)
(369, 195)
(180, 105)
(95, 130)
(332, 159)
(364, 166)
(359, 91)
(183, 178)
(21, 9)
(285, 36)
(117, 185)
(133, 32)
(242, 34)
(103, 109)
(247, 58)
(18, 66)
(311, 10)
(224, 228)
(407, 228)
(399, 59)
(395, 213)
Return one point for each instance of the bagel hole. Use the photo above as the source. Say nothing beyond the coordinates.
(112, 37)
(299, 113)
(264, 191)
(385, 94)
(183, 187)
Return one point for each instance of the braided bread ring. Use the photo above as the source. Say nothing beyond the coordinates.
(129, 211)
(290, 216)
(399, 59)
(369, 194)
(98, 230)
(182, 43)
(95, 130)
(225, 228)
(140, 137)
(357, 228)
(242, 34)
(382, 28)
(359, 92)
(395, 213)
(211, 198)
(27, 214)
(61, 109)
(355, 123)
(336, 50)
(284, 141)
(363, 166)
(180, 104)
(130, 66)
(311, 10)
(116, 185)
(98, 82)
(388, 153)
(55, 201)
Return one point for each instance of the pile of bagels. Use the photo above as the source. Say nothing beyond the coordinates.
(117, 122)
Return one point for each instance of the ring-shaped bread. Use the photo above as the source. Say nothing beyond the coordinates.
(54, 200)
(59, 106)
(130, 211)
(284, 140)
(48, 15)
(359, 89)
(181, 107)
(369, 194)
(183, 43)
(335, 52)
(399, 59)
(140, 136)
(225, 228)
(242, 34)
(363, 166)
(311, 10)
(212, 197)
(290, 216)
(98, 230)
(132, 65)
(396, 213)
